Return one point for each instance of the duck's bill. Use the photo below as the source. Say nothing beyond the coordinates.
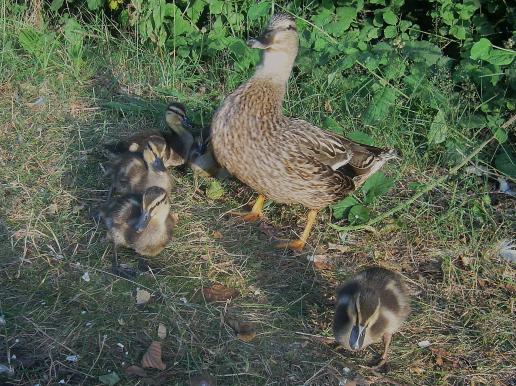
(159, 165)
(143, 221)
(356, 338)
(186, 123)
(262, 43)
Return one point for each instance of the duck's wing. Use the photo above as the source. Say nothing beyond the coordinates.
(352, 159)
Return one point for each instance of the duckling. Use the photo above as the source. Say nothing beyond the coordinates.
(370, 306)
(135, 172)
(179, 140)
(203, 163)
(141, 222)
(286, 159)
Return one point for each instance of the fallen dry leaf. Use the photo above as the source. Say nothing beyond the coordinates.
(267, 229)
(142, 296)
(465, 260)
(216, 235)
(152, 357)
(321, 262)
(162, 331)
(244, 331)
(135, 371)
(203, 380)
(52, 209)
(219, 292)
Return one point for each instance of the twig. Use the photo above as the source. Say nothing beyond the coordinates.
(429, 187)
(48, 336)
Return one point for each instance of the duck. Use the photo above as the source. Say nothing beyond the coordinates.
(179, 139)
(202, 161)
(134, 172)
(142, 222)
(371, 306)
(284, 159)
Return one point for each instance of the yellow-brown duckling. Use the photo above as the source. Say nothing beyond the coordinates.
(140, 222)
(371, 306)
(136, 172)
(179, 140)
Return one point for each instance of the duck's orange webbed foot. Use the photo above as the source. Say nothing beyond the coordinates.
(255, 214)
(295, 245)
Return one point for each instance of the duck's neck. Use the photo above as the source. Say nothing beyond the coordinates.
(276, 67)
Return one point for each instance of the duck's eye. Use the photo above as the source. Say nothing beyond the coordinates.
(291, 27)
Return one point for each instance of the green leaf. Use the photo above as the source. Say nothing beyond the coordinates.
(376, 185)
(195, 9)
(358, 214)
(390, 31)
(501, 58)
(346, 16)
(109, 379)
(381, 104)
(214, 190)
(505, 161)
(258, 9)
(93, 5)
(322, 18)
(405, 25)
(56, 4)
(458, 31)
(390, 17)
(438, 128)
(216, 6)
(501, 135)
(332, 125)
(342, 207)
(480, 50)
(360, 137)
(423, 51)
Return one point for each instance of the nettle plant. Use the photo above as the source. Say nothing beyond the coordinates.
(396, 51)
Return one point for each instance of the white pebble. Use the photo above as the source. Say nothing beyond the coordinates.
(86, 277)
(424, 343)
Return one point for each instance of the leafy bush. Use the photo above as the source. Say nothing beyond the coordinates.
(395, 49)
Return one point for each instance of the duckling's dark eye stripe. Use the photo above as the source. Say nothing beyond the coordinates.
(158, 203)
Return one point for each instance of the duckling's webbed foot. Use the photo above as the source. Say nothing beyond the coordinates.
(255, 214)
(295, 245)
(121, 270)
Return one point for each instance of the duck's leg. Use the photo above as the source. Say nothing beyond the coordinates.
(117, 269)
(387, 337)
(255, 213)
(299, 244)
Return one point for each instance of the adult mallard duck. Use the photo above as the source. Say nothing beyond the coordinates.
(371, 306)
(285, 159)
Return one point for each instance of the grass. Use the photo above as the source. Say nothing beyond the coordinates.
(55, 115)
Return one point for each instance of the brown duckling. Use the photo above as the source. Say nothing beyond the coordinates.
(140, 222)
(371, 306)
(135, 172)
(179, 140)
(286, 159)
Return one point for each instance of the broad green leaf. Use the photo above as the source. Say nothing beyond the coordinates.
(194, 11)
(109, 379)
(341, 208)
(381, 2)
(93, 5)
(258, 9)
(30, 40)
(216, 6)
(481, 49)
(331, 124)
(390, 17)
(346, 16)
(56, 4)
(376, 185)
(458, 31)
(438, 129)
(423, 51)
(467, 9)
(358, 214)
(501, 135)
(214, 190)
(360, 137)
(322, 18)
(380, 105)
(405, 25)
(390, 31)
(501, 58)
(505, 161)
